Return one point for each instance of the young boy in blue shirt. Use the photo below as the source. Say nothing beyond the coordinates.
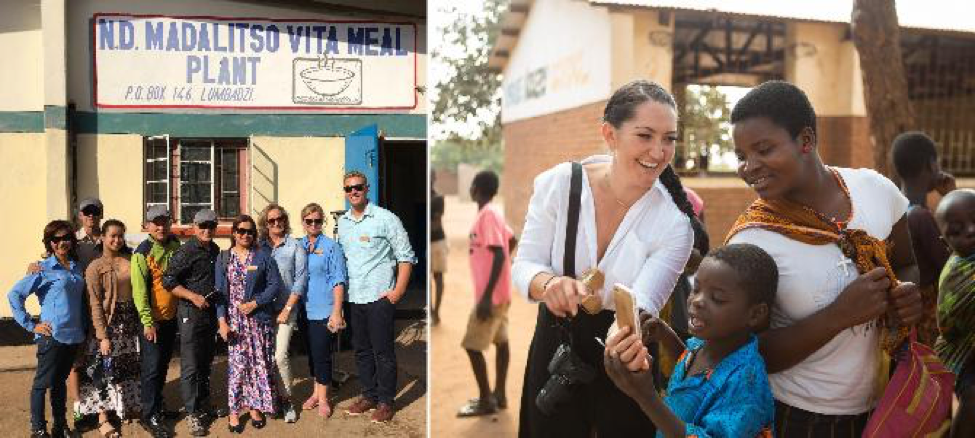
(719, 387)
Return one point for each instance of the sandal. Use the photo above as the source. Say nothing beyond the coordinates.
(310, 404)
(107, 430)
(475, 408)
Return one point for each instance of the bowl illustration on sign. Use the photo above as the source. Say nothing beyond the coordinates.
(326, 78)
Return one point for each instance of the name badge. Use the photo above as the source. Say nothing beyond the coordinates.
(364, 239)
(251, 268)
(319, 252)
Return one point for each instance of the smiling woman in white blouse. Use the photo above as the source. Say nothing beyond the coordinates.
(636, 227)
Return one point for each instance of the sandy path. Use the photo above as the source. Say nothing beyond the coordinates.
(452, 382)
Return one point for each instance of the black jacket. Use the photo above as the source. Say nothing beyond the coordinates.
(192, 266)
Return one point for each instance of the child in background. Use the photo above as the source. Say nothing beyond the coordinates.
(956, 303)
(719, 387)
(491, 244)
(916, 161)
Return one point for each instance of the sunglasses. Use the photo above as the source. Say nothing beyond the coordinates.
(356, 187)
(208, 225)
(245, 231)
(161, 221)
(314, 221)
(65, 238)
(91, 211)
(275, 220)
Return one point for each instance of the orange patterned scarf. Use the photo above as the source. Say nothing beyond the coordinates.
(801, 223)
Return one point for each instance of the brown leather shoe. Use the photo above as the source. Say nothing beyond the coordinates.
(383, 413)
(361, 406)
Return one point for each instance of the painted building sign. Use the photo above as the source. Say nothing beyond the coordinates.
(542, 78)
(252, 63)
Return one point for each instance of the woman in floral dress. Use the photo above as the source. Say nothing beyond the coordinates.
(248, 280)
(113, 348)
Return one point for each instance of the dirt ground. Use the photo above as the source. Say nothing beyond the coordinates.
(17, 371)
(453, 382)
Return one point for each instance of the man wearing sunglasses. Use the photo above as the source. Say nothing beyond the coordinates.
(156, 306)
(379, 260)
(191, 277)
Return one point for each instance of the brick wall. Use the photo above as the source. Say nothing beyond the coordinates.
(845, 141)
(724, 199)
(446, 183)
(533, 145)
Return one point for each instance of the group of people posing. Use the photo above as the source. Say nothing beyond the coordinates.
(110, 316)
(786, 329)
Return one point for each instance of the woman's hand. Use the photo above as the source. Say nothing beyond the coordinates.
(248, 307)
(223, 329)
(284, 315)
(43, 329)
(562, 296)
(105, 347)
(862, 300)
(335, 322)
(906, 300)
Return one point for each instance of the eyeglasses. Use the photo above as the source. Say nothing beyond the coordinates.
(246, 231)
(314, 221)
(161, 221)
(208, 225)
(275, 220)
(64, 238)
(91, 211)
(356, 187)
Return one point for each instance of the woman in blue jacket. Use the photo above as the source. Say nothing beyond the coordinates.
(247, 279)
(60, 289)
(323, 302)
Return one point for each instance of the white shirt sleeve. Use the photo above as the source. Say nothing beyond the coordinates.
(656, 279)
(541, 222)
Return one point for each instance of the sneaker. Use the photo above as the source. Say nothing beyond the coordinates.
(39, 433)
(290, 416)
(154, 425)
(195, 422)
(361, 406)
(60, 432)
(383, 413)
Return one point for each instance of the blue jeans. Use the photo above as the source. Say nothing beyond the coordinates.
(320, 350)
(54, 361)
(374, 354)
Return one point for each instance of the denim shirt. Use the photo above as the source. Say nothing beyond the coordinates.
(61, 294)
(292, 260)
(326, 269)
(261, 284)
(373, 244)
(732, 400)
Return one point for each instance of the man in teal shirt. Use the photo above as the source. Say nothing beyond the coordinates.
(379, 259)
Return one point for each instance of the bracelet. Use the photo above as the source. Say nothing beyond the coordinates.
(545, 285)
(287, 307)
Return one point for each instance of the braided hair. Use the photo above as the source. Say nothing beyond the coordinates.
(620, 108)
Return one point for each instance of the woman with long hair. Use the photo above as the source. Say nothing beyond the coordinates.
(274, 230)
(635, 226)
(112, 352)
(247, 279)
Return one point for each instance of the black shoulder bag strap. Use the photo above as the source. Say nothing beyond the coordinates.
(569, 256)
(572, 221)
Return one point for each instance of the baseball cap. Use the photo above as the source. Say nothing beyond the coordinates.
(89, 202)
(157, 211)
(205, 215)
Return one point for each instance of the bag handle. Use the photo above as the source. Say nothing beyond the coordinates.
(572, 221)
